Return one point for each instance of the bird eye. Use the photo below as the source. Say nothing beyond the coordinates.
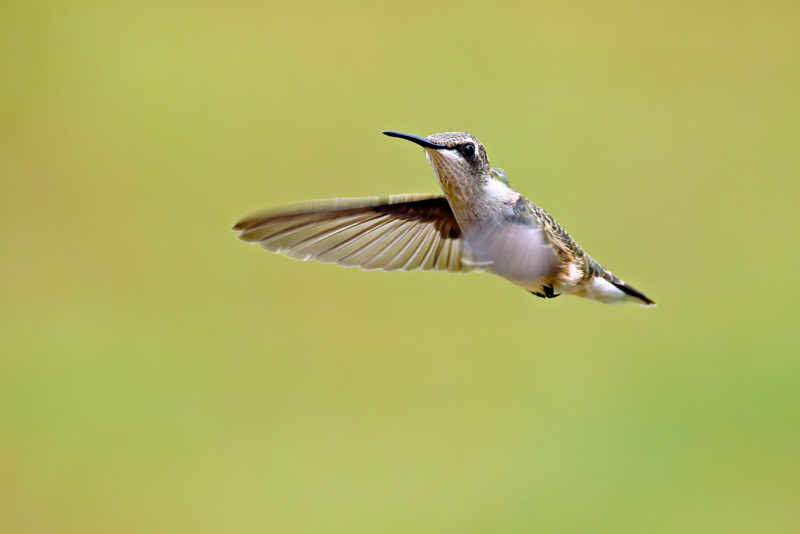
(468, 150)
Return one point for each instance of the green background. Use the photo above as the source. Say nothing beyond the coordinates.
(157, 375)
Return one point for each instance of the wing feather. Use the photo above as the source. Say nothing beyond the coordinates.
(400, 232)
(418, 255)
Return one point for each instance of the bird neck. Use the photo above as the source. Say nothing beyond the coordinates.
(477, 200)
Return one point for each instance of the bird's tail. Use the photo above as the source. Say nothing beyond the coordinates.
(631, 292)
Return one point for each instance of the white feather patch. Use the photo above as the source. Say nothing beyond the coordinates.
(602, 290)
(498, 191)
(574, 273)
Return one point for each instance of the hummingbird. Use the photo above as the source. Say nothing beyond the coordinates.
(480, 223)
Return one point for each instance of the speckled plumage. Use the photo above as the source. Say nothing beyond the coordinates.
(478, 200)
(570, 253)
(481, 223)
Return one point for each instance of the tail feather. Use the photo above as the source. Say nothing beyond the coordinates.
(625, 288)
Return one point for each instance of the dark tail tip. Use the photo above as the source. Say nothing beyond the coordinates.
(625, 288)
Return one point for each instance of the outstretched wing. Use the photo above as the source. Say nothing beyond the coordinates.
(400, 232)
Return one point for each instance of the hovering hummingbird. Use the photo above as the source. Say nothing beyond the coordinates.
(480, 224)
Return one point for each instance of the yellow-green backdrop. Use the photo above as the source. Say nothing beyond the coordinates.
(157, 375)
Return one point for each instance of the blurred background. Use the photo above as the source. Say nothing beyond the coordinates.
(157, 375)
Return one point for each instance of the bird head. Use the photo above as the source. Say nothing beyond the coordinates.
(458, 159)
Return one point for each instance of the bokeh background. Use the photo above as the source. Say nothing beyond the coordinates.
(157, 375)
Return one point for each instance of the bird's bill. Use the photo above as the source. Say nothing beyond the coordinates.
(421, 141)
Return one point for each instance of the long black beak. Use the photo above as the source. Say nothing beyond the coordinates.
(421, 141)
